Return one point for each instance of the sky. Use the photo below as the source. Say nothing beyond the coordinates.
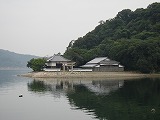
(45, 27)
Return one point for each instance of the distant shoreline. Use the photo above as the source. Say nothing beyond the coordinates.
(14, 68)
(89, 75)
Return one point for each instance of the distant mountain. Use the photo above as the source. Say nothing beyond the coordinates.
(13, 60)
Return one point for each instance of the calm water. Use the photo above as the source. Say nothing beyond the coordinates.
(78, 99)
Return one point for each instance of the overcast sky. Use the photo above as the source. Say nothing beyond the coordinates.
(45, 27)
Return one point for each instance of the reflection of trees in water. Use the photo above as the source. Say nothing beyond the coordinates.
(56, 88)
(61, 87)
(122, 100)
(134, 100)
(39, 86)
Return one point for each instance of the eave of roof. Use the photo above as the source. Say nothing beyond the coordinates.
(89, 65)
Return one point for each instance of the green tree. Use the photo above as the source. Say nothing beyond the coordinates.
(132, 38)
(36, 64)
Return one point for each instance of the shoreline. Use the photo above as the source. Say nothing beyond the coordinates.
(89, 75)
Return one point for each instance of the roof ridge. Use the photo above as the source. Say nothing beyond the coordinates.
(57, 57)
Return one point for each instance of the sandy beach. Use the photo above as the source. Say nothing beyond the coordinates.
(89, 75)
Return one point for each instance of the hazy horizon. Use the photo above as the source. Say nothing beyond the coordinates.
(45, 27)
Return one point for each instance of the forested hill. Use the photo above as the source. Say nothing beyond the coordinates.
(11, 60)
(132, 37)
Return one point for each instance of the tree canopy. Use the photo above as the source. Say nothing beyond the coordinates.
(132, 38)
(36, 64)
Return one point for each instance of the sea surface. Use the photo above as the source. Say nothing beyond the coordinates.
(78, 99)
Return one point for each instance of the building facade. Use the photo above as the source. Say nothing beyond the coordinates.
(103, 64)
(58, 63)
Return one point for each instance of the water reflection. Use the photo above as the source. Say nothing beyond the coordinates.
(39, 86)
(104, 87)
(9, 77)
(111, 100)
(99, 87)
(134, 100)
(57, 88)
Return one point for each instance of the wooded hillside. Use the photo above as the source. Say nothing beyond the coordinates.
(132, 38)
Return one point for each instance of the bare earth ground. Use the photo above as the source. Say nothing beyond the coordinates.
(89, 75)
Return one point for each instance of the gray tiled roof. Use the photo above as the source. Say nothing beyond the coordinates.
(89, 65)
(100, 61)
(96, 60)
(58, 58)
(109, 62)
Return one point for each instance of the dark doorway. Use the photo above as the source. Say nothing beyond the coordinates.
(59, 65)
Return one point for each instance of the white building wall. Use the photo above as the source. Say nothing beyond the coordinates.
(51, 64)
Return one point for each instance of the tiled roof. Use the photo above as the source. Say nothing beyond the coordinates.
(89, 65)
(96, 60)
(58, 58)
(109, 62)
(100, 61)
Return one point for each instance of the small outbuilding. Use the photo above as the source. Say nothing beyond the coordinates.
(103, 64)
(57, 63)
